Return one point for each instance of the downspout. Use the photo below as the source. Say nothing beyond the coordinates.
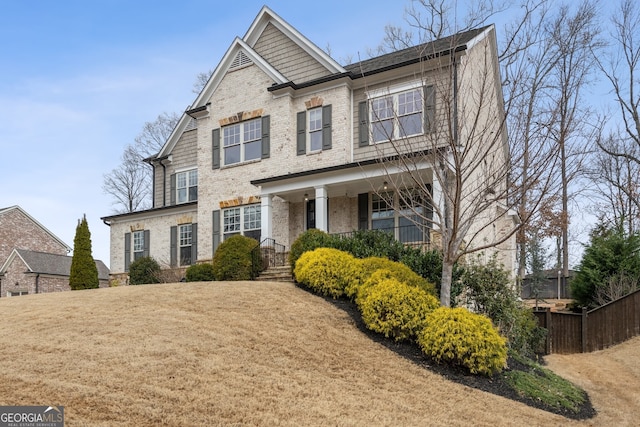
(455, 100)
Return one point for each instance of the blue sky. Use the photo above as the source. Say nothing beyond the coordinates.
(79, 79)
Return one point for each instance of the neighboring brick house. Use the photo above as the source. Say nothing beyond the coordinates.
(32, 259)
(283, 138)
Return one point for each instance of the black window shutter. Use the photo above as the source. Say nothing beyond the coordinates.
(326, 127)
(215, 148)
(301, 139)
(127, 251)
(363, 211)
(266, 139)
(173, 257)
(194, 243)
(216, 230)
(147, 242)
(429, 109)
(363, 119)
(172, 189)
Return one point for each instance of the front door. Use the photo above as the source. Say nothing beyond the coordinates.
(311, 214)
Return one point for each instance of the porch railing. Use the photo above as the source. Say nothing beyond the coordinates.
(268, 253)
(409, 235)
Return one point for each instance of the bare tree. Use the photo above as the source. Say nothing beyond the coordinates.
(574, 38)
(476, 180)
(130, 183)
(622, 71)
(616, 188)
(201, 81)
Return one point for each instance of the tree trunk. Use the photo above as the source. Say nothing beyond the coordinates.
(445, 283)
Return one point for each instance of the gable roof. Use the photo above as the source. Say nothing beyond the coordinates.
(245, 46)
(32, 219)
(52, 264)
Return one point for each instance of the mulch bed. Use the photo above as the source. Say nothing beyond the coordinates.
(496, 384)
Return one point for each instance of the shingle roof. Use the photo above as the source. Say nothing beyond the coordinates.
(415, 53)
(58, 265)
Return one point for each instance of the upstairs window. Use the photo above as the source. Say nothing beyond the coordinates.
(242, 141)
(396, 116)
(400, 114)
(314, 130)
(187, 186)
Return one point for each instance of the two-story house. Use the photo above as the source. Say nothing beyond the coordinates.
(283, 138)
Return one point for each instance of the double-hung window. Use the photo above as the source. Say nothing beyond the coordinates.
(242, 141)
(185, 242)
(138, 244)
(187, 186)
(402, 214)
(245, 220)
(313, 130)
(392, 115)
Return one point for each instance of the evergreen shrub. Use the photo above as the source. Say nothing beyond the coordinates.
(200, 273)
(235, 259)
(395, 309)
(308, 241)
(326, 271)
(458, 337)
(144, 271)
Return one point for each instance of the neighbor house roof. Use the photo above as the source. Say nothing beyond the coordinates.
(18, 208)
(52, 264)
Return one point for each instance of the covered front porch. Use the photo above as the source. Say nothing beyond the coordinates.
(349, 197)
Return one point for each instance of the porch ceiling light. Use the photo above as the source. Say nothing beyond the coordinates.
(384, 185)
(306, 197)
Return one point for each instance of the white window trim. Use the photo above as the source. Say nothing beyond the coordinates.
(242, 229)
(309, 131)
(186, 171)
(397, 90)
(242, 143)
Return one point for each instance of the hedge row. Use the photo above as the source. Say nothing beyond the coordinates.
(395, 301)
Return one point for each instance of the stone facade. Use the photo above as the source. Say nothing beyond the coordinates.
(277, 80)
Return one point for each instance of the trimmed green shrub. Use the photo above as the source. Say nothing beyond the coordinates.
(325, 271)
(490, 291)
(308, 241)
(395, 309)
(370, 243)
(235, 259)
(144, 271)
(459, 337)
(200, 273)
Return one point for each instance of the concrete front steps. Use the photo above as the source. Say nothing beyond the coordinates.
(277, 274)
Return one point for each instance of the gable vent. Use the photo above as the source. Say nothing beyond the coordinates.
(240, 60)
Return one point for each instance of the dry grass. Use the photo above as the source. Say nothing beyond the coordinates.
(243, 353)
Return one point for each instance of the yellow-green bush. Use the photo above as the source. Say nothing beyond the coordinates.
(459, 337)
(396, 309)
(325, 270)
(369, 266)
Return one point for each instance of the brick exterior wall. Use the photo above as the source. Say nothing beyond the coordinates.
(17, 230)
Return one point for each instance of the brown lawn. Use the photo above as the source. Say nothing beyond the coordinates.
(253, 353)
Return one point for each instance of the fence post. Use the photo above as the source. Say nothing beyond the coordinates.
(584, 329)
(547, 323)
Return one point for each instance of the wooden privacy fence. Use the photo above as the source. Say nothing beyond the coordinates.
(592, 330)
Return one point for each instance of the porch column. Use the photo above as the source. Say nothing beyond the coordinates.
(438, 203)
(266, 217)
(322, 222)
